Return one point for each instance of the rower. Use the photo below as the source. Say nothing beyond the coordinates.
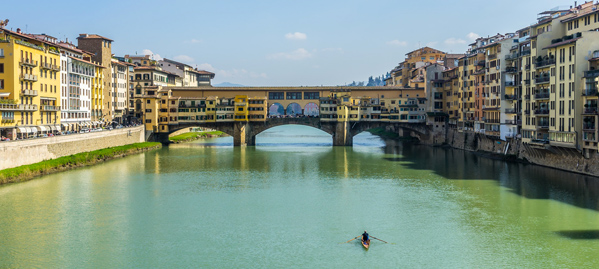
(365, 236)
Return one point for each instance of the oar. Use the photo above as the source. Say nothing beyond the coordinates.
(350, 240)
(378, 239)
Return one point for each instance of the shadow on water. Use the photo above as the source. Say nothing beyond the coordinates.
(530, 181)
(580, 234)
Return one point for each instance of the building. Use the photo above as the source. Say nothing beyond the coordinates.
(191, 77)
(29, 85)
(101, 49)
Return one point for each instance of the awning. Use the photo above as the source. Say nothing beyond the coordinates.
(21, 130)
(41, 128)
(64, 125)
(33, 130)
(75, 124)
(53, 128)
(47, 98)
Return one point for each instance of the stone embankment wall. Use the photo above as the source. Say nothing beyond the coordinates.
(555, 157)
(22, 152)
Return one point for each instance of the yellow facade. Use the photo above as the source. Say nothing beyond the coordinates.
(30, 85)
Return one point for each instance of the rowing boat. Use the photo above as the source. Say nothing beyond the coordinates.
(366, 243)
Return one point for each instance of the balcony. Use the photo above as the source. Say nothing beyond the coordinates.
(510, 83)
(511, 69)
(527, 81)
(525, 52)
(589, 126)
(510, 122)
(541, 96)
(543, 125)
(542, 112)
(527, 112)
(49, 108)
(29, 92)
(542, 80)
(511, 97)
(590, 111)
(591, 73)
(17, 107)
(493, 121)
(512, 56)
(527, 67)
(29, 77)
(589, 92)
(545, 63)
(480, 63)
(28, 62)
(492, 56)
(511, 111)
(49, 66)
(527, 97)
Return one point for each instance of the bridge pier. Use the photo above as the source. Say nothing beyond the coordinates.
(342, 135)
(242, 134)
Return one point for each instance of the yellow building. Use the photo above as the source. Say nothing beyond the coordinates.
(29, 85)
(241, 108)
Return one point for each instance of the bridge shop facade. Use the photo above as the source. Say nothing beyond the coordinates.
(244, 112)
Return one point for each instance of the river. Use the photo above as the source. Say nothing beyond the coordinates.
(291, 200)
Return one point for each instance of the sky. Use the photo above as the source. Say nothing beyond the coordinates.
(279, 43)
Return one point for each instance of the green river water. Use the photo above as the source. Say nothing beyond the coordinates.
(291, 200)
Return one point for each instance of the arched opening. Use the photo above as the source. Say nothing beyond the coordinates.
(276, 109)
(311, 109)
(293, 135)
(294, 109)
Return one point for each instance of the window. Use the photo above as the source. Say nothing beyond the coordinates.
(294, 95)
(148, 121)
(1, 83)
(276, 95)
(1, 52)
(1, 68)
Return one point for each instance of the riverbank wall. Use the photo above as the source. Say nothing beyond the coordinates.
(22, 152)
(513, 149)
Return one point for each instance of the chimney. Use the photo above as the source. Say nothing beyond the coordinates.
(19, 30)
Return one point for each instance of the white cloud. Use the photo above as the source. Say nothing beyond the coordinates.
(184, 58)
(472, 36)
(455, 41)
(431, 44)
(231, 74)
(397, 43)
(196, 41)
(296, 36)
(339, 50)
(154, 56)
(298, 54)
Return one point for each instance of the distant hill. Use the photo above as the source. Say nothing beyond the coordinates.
(228, 84)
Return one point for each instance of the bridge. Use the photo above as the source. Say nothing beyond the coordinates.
(244, 113)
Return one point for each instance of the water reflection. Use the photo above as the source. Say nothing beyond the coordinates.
(530, 181)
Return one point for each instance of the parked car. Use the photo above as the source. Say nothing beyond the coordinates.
(84, 130)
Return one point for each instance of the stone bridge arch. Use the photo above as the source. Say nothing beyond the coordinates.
(244, 133)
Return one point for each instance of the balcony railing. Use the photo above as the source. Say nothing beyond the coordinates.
(542, 96)
(525, 52)
(543, 125)
(592, 110)
(544, 63)
(589, 92)
(527, 97)
(49, 108)
(511, 111)
(29, 62)
(512, 56)
(492, 121)
(544, 79)
(591, 73)
(511, 122)
(527, 112)
(492, 56)
(511, 69)
(510, 83)
(29, 77)
(527, 67)
(511, 97)
(588, 126)
(29, 92)
(50, 66)
(542, 112)
(17, 107)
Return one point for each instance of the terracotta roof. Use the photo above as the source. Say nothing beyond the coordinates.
(562, 43)
(85, 61)
(93, 36)
(580, 14)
